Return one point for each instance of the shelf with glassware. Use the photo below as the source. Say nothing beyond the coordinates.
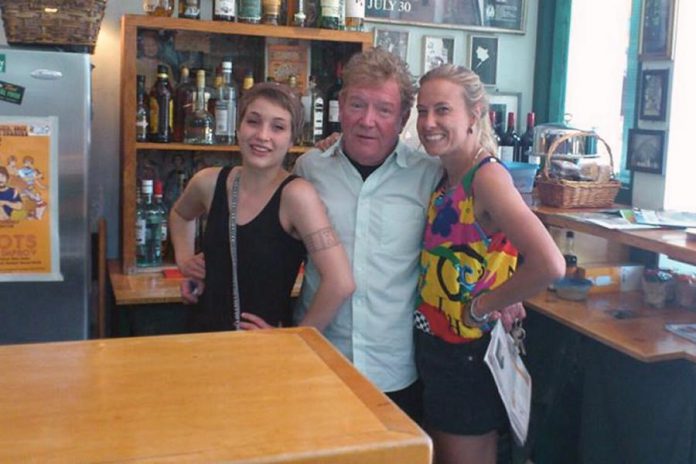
(254, 51)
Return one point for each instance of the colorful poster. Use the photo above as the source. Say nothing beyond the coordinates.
(29, 238)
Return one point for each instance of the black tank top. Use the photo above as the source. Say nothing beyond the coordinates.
(268, 259)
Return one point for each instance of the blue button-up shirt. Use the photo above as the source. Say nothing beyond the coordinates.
(380, 222)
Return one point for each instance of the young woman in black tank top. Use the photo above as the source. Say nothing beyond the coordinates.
(279, 219)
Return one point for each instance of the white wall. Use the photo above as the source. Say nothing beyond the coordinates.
(515, 74)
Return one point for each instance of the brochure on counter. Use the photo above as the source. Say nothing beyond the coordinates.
(687, 331)
(627, 219)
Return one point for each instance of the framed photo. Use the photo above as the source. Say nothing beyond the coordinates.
(393, 41)
(653, 94)
(646, 150)
(483, 58)
(481, 15)
(657, 29)
(502, 103)
(437, 51)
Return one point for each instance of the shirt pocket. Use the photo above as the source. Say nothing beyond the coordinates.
(401, 228)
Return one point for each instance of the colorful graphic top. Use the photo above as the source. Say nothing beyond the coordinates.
(458, 262)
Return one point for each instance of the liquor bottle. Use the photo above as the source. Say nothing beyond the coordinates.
(292, 83)
(226, 108)
(332, 111)
(329, 18)
(141, 113)
(183, 103)
(527, 154)
(200, 124)
(149, 253)
(140, 226)
(271, 11)
(569, 255)
(162, 211)
(494, 130)
(317, 113)
(300, 19)
(355, 15)
(149, 7)
(249, 11)
(158, 7)
(224, 10)
(190, 9)
(510, 141)
(211, 93)
(247, 83)
(161, 108)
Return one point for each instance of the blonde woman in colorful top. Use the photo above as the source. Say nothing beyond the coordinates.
(477, 226)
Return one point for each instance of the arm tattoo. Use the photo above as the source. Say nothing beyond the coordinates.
(320, 240)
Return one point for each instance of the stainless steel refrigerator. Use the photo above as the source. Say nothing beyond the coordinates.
(55, 84)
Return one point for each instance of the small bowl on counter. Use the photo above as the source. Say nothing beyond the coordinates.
(572, 288)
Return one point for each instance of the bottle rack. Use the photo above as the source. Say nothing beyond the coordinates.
(130, 149)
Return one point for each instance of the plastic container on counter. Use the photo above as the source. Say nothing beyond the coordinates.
(658, 287)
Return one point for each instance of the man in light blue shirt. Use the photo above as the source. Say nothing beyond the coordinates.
(376, 190)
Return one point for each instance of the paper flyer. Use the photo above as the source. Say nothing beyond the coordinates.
(29, 238)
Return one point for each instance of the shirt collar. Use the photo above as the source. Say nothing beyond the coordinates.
(402, 152)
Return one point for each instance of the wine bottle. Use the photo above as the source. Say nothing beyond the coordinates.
(183, 103)
(200, 124)
(510, 141)
(494, 131)
(224, 10)
(527, 154)
(141, 114)
(161, 108)
(226, 108)
(333, 123)
(249, 11)
(190, 9)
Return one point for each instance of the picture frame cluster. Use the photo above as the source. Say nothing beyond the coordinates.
(656, 45)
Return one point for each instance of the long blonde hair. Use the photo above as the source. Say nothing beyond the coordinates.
(474, 95)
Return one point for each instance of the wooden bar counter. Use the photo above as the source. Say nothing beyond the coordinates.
(280, 396)
(639, 331)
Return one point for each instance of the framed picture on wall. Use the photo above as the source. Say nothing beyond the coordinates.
(393, 41)
(646, 150)
(481, 15)
(653, 94)
(483, 58)
(657, 29)
(502, 103)
(437, 51)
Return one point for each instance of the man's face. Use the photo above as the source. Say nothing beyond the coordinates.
(371, 120)
(3, 181)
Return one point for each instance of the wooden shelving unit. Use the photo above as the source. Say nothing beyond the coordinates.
(130, 25)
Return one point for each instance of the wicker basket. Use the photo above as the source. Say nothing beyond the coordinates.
(563, 193)
(73, 24)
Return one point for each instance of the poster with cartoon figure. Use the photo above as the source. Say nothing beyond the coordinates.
(29, 239)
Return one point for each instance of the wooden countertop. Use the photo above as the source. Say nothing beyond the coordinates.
(273, 396)
(670, 242)
(152, 287)
(641, 336)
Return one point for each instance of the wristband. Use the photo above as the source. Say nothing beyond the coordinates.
(472, 315)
